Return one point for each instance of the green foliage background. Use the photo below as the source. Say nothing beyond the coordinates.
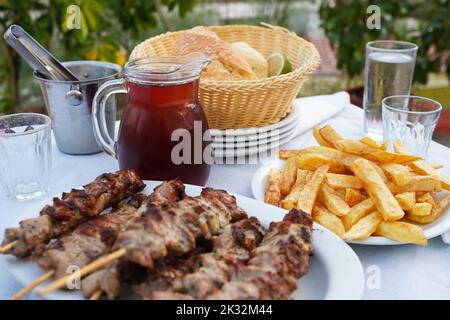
(108, 29)
(424, 22)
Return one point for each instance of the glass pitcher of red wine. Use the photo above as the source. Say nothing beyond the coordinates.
(163, 132)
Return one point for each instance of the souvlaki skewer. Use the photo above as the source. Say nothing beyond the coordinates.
(69, 211)
(93, 238)
(159, 231)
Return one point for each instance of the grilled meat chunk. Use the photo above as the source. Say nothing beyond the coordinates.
(71, 210)
(174, 229)
(269, 272)
(231, 250)
(89, 240)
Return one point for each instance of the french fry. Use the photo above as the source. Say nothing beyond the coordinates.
(321, 141)
(364, 227)
(288, 176)
(358, 212)
(423, 168)
(290, 201)
(421, 209)
(374, 144)
(310, 161)
(340, 193)
(353, 196)
(420, 183)
(343, 181)
(377, 190)
(273, 193)
(426, 197)
(345, 158)
(330, 135)
(398, 173)
(309, 193)
(402, 232)
(406, 200)
(332, 201)
(435, 213)
(361, 149)
(328, 220)
(338, 167)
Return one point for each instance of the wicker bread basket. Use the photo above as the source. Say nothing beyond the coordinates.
(247, 103)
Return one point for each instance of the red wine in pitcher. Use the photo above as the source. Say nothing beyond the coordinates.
(155, 119)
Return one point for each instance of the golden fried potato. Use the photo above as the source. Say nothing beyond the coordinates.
(421, 209)
(330, 135)
(332, 201)
(361, 149)
(374, 144)
(398, 173)
(290, 201)
(402, 232)
(435, 213)
(328, 220)
(364, 227)
(310, 161)
(426, 197)
(309, 193)
(420, 183)
(377, 190)
(321, 141)
(358, 212)
(343, 181)
(406, 200)
(423, 168)
(273, 193)
(354, 196)
(399, 147)
(288, 176)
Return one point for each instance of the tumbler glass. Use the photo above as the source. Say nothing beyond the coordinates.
(25, 155)
(411, 120)
(389, 71)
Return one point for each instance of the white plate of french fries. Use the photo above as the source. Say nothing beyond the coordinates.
(358, 190)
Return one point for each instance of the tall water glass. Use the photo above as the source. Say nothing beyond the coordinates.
(411, 120)
(389, 71)
(25, 155)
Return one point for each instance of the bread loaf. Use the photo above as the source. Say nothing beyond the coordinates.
(255, 59)
(227, 63)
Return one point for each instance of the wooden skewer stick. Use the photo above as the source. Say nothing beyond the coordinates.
(22, 293)
(96, 295)
(87, 269)
(8, 247)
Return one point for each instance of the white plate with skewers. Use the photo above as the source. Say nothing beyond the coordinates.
(335, 271)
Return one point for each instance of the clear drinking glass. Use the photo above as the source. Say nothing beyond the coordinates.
(389, 71)
(25, 155)
(411, 120)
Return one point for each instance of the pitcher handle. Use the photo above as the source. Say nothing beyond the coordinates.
(106, 142)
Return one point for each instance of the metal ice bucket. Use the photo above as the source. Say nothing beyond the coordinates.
(69, 105)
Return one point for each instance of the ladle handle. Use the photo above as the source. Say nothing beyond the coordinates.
(36, 55)
(106, 142)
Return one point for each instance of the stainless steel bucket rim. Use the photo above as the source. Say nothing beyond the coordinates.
(113, 66)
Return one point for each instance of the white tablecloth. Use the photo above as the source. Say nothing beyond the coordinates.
(392, 272)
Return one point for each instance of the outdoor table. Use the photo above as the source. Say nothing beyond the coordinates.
(392, 272)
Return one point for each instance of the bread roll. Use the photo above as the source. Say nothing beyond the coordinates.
(255, 59)
(227, 63)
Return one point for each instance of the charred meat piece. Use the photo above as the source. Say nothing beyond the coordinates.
(71, 210)
(89, 240)
(270, 272)
(276, 264)
(108, 279)
(173, 230)
(231, 250)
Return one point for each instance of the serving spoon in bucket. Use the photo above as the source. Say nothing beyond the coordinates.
(37, 57)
